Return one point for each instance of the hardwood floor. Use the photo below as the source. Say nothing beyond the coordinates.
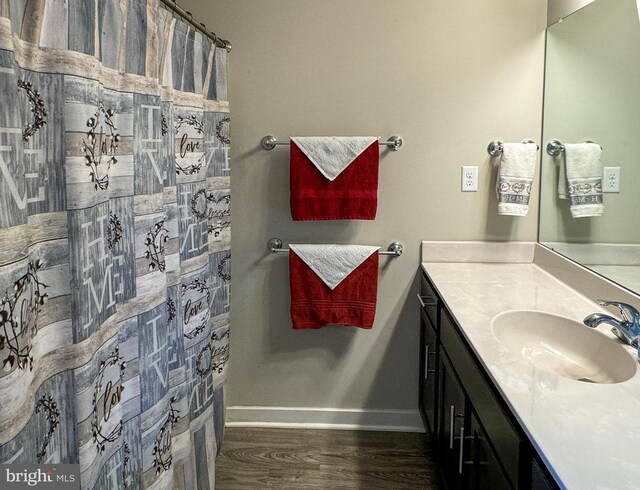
(301, 459)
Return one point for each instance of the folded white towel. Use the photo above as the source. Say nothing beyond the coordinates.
(580, 179)
(333, 263)
(332, 154)
(515, 175)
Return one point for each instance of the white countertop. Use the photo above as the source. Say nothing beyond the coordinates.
(628, 275)
(587, 434)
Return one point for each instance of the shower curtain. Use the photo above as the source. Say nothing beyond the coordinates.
(114, 242)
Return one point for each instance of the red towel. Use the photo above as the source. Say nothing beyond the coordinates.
(352, 195)
(352, 302)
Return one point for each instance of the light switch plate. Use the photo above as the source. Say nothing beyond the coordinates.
(469, 176)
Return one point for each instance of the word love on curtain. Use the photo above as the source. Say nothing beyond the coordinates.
(114, 242)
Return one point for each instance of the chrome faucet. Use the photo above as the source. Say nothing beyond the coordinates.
(627, 329)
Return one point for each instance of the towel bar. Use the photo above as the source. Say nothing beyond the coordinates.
(555, 147)
(394, 249)
(495, 147)
(269, 142)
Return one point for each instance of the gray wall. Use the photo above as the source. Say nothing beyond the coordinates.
(449, 77)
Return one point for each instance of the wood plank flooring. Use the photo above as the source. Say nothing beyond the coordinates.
(301, 459)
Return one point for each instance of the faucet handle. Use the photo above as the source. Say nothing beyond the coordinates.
(629, 313)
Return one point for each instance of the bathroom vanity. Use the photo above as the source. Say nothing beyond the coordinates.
(497, 419)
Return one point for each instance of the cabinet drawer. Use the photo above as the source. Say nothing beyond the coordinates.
(430, 300)
(508, 445)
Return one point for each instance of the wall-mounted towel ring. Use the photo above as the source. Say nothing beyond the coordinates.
(269, 142)
(555, 147)
(394, 249)
(495, 147)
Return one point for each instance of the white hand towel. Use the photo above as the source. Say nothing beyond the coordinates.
(515, 175)
(332, 154)
(333, 263)
(580, 179)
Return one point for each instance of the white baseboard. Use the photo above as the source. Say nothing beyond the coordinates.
(324, 418)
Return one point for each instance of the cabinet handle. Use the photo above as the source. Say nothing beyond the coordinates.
(461, 458)
(424, 304)
(452, 414)
(426, 362)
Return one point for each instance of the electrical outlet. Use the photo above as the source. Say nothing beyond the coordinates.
(611, 179)
(469, 178)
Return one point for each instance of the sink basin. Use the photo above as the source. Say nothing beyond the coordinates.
(563, 346)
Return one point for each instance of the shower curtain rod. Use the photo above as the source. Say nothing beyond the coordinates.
(188, 17)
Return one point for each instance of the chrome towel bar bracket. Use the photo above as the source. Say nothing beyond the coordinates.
(394, 249)
(495, 147)
(269, 142)
(555, 147)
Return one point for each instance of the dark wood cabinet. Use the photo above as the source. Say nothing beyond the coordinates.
(539, 479)
(467, 459)
(429, 373)
(479, 445)
(485, 472)
(451, 425)
(429, 364)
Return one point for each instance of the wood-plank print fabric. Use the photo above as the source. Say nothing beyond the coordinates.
(114, 242)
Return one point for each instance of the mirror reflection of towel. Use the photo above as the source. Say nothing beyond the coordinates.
(334, 177)
(580, 179)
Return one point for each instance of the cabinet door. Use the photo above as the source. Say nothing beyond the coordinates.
(504, 436)
(539, 480)
(428, 374)
(452, 425)
(484, 471)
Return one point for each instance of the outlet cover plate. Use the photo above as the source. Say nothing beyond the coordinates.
(611, 179)
(469, 178)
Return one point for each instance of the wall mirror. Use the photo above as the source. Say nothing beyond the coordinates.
(592, 93)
